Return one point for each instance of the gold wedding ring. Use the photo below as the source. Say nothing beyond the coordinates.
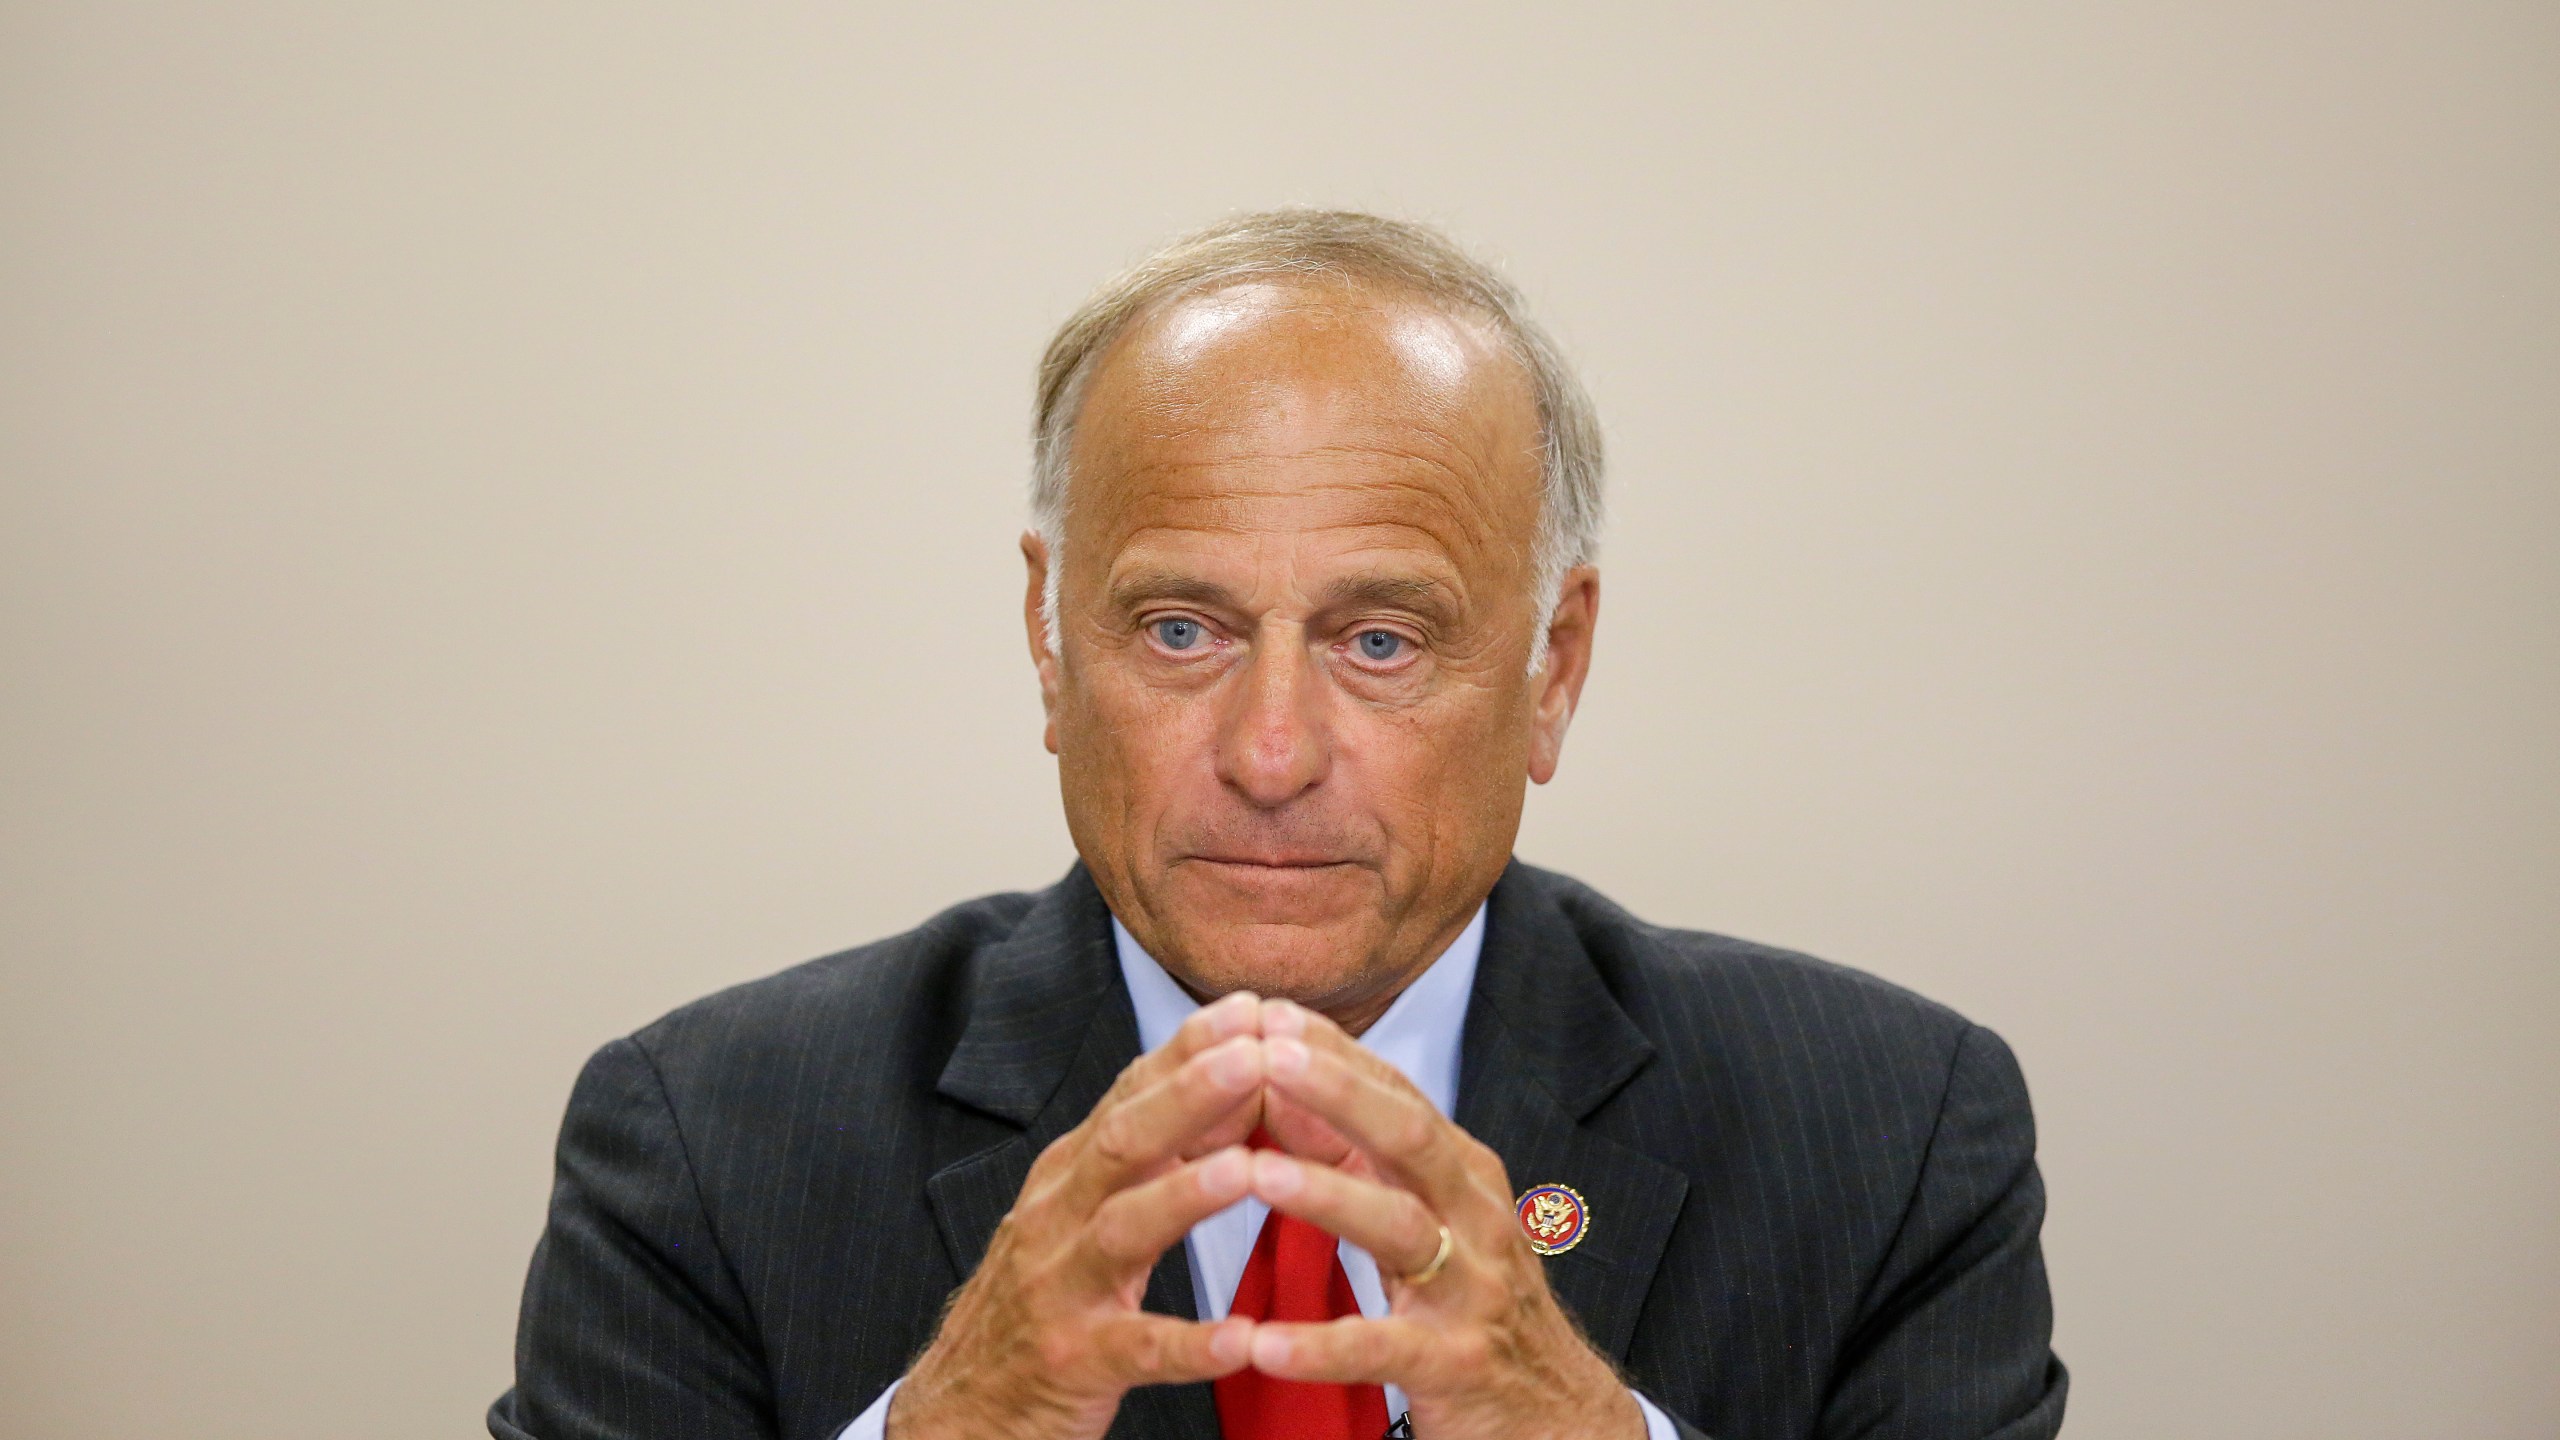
(1439, 1258)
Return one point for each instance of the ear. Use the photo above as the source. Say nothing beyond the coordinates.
(1559, 687)
(1044, 659)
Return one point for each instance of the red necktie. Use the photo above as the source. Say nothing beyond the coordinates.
(1295, 1274)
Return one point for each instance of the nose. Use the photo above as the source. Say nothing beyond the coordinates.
(1275, 744)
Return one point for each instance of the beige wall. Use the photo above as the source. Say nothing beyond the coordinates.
(506, 524)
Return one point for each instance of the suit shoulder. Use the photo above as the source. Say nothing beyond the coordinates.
(1740, 984)
(898, 985)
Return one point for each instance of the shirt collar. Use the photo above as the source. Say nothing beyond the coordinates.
(1419, 1034)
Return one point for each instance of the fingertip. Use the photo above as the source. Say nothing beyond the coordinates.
(1225, 1174)
(1236, 1013)
(1276, 1176)
(1270, 1349)
(1221, 1019)
(1234, 1064)
(1231, 1343)
(1283, 1018)
(1286, 1058)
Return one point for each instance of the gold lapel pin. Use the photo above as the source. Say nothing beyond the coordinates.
(1554, 1218)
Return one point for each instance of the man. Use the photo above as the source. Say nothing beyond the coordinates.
(1298, 1108)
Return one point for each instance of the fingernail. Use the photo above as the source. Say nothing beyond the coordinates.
(1232, 1065)
(1269, 1350)
(1285, 1057)
(1280, 1017)
(1226, 1172)
(1277, 1176)
(1232, 1342)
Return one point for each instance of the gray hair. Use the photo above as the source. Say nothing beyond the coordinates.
(1334, 245)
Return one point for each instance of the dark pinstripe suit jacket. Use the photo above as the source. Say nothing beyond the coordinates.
(1813, 1196)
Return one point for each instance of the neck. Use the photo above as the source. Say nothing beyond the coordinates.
(1357, 1016)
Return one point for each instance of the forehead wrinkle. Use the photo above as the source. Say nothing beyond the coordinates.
(1470, 488)
(1470, 451)
(1156, 551)
(1397, 502)
(1159, 551)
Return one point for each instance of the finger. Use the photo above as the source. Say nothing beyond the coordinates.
(1409, 1139)
(1143, 1349)
(1302, 1132)
(1287, 1020)
(1392, 1351)
(1209, 1026)
(1136, 1137)
(1232, 1128)
(1391, 1224)
(1130, 1229)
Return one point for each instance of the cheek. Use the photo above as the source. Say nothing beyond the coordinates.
(1139, 741)
(1433, 774)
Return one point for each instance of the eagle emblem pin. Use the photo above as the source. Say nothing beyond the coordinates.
(1554, 1218)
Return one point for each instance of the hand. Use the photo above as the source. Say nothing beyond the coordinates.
(1482, 1347)
(1046, 1337)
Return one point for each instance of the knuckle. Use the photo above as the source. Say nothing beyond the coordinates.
(1032, 1215)
(1123, 1356)
(1059, 1349)
(1006, 1239)
(1152, 1355)
(1114, 1140)
(1138, 1072)
(1413, 1131)
(1109, 1235)
(1055, 1155)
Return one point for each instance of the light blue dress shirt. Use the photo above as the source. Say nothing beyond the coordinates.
(1419, 1035)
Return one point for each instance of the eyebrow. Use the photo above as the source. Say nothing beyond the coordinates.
(1432, 600)
(1140, 587)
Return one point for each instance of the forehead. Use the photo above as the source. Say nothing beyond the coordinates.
(1291, 403)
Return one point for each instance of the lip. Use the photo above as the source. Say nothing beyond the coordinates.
(1272, 862)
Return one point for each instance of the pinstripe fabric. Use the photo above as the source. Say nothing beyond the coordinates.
(1813, 1196)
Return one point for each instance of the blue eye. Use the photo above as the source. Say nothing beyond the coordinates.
(1380, 645)
(1177, 634)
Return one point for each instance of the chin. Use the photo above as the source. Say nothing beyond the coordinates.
(1303, 933)
(1295, 962)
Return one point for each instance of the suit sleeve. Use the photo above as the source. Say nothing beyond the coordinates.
(1956, 1341)
(633, 1324)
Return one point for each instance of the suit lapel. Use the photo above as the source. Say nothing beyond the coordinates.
(1050, 1026)
(1546, 1044)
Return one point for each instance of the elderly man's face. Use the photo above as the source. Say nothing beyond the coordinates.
(1291, 699)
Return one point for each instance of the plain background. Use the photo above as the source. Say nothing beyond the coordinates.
(509, 526)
